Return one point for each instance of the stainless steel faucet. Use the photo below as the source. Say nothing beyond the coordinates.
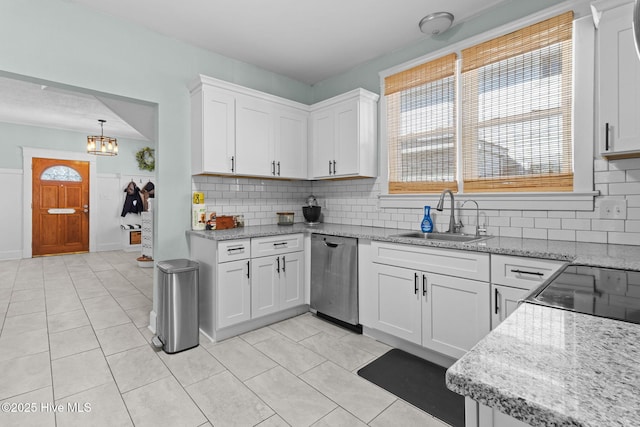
(453, 227)
(478, 229)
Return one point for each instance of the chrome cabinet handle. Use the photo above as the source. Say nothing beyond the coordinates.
(248, 270)
(533, 273)
(334, 167)
(329, 167)
(233, 163)
(415, 283)
(283, 264)
(606, 137)
(273, 167)
(495, 300)
(239, 248)
(278, 168)
(278, 266)
(280, 244)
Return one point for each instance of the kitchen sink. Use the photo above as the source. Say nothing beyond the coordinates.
(449, 237)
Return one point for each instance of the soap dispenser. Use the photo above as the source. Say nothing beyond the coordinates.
(427, 224)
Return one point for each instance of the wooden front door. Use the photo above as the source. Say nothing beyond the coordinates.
(60, 210)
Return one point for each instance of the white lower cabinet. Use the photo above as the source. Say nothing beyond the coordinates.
(239, 291)
(504, 301)
(442, 313)
(512, 278)
(234, 293)
(276, 283)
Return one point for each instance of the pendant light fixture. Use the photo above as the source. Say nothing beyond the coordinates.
(102, 145)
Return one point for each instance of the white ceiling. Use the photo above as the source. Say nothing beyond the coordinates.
(306, 40)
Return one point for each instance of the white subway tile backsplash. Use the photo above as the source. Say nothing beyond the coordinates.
(607, 225)
(576, 224)
(534, 233)
(591, 236)
(356, 202)
(522, 222)
(609, 177)
(547, 223)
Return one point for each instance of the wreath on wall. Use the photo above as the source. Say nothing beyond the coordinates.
(146, 159)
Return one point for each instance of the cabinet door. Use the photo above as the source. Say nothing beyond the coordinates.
(254, 137)
(234, 293)
(322, 141)
(619, 82)
(291, 143)
(265, 286)
(218, 130)
(455, 313)
(346, 139)
(291, 280)
(504, 300)
(398, 302)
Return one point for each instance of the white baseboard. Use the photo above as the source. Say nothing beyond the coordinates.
(7, 255)
(152, 321)
(109, 247)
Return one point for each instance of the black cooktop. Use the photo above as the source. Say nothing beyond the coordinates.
(603, 292)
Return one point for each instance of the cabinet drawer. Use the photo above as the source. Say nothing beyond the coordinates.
(231, 250)
(470, 265)
(525, 273)
(274, 245)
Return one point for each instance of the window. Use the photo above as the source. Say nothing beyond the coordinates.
(60, 173)
(515, 116)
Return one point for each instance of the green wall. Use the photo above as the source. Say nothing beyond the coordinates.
(13, 137)
(366, 75)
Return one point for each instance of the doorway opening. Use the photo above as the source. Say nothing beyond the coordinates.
(60, 206)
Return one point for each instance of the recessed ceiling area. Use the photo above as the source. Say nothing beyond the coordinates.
(27, 103)
(308, 41)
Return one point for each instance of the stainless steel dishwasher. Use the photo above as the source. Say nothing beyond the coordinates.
(334, 279)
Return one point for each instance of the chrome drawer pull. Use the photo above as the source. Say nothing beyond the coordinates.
(241, 248)
(280, 244)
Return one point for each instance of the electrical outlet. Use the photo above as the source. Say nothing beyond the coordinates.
(613, 209)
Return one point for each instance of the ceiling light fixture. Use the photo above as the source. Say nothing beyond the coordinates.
(436, 23)
(102, 145)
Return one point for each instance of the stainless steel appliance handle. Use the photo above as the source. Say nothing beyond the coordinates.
(331, 245)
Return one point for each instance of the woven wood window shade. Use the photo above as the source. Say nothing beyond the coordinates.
(421, 105)
(516, 112)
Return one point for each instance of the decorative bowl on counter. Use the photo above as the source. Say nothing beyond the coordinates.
(285, 218)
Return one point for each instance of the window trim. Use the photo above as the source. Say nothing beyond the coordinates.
(582, 197)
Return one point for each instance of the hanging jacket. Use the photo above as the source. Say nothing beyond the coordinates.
(132, 201)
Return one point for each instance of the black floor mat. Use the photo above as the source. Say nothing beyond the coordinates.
(417, 381)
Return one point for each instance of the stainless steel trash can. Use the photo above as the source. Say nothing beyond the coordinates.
(178, 305)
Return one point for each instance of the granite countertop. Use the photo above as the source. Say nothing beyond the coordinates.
(547, 366)
(596, 254)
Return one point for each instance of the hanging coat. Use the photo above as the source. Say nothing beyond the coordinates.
(132, 201)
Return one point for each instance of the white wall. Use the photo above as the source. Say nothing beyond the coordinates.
(11, 214)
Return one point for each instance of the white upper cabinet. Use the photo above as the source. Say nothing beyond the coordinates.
(290, 155)
(344, 137)
(254, 136)
(212, 130)
(240, 131)
(618, 85)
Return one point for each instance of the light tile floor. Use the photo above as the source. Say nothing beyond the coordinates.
(74, 333)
